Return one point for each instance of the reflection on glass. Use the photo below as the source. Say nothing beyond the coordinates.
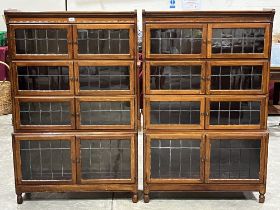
(235, 112)
(236, 77)
(43, 77)
(41, 41)
(179, 112)
(238, 40)
(176, 41)
(175, 77)
(45, 160)
(105, 113)
(104, 77)
(103, 41)
(105, 159)
(235, 159)
(175, 159)
(45, 113)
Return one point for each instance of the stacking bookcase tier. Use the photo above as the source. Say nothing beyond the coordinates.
(75, 101)
(75, 161)
(206, 76)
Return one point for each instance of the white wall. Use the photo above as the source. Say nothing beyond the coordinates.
(29, 5)
(128, 5)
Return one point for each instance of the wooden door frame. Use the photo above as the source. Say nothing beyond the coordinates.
(18, 125)
(133, 113)
(172, 136)
(263, 111)
(159, 98)
(131, 65)
(265, 77)
(149, 26)
(263, 136)
(267, 40)
(69, 64)
(12, 45)
(42, 137)
(174, 63)
(133, 158)
(130, 27)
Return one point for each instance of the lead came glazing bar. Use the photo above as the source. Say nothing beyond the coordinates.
(42, 163)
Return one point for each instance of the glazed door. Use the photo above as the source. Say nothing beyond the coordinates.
(236, 157)
(105, 112)
(41, 41)
(236, 112)
(174, 112)
(170, 77)
(106, 159)
(237, 77)
(43, 78)
(47, 113)
(236, 40)
(104, 41)
(174, 158)
(173, 41)
(44, 159)
(104, 77)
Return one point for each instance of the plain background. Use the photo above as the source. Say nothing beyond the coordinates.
(129, 5)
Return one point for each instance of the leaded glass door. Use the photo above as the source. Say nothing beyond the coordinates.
(235, 112)
(44, 78)
(41, 41)
(105, 112)
(104, 77)
(235, 40)
(45, 113)
(106, 158)
(175, 77)
(104, 41)
(174, 158)
(235, 157)
(45, 159)
(237, 77)
(173, 41)
(176, 112)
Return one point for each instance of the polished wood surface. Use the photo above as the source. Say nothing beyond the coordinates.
(207, 21)
(73, 133)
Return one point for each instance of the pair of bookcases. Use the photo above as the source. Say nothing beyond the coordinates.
(76, 101)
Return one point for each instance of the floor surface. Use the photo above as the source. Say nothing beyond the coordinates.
(122, 201)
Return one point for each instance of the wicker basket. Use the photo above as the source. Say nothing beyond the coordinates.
(5, 95)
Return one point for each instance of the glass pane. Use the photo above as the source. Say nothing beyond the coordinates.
(236, 77)
(43, 77)
(45, 113)
(104, 78)
(105, 159)
(41, 41)
(105, 113)
(178, 158)
(45, 160)
(235, 159)
(103, 41)
(235, 112)
(238, 40)
(179, 112)
(176, 41)
(175, 77)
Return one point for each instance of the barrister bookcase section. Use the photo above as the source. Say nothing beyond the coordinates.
(206, 97)
(75, 101)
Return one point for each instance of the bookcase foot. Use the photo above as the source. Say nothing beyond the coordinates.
(261, 198)
(146, 198)
(19, 198)
(134, 197)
